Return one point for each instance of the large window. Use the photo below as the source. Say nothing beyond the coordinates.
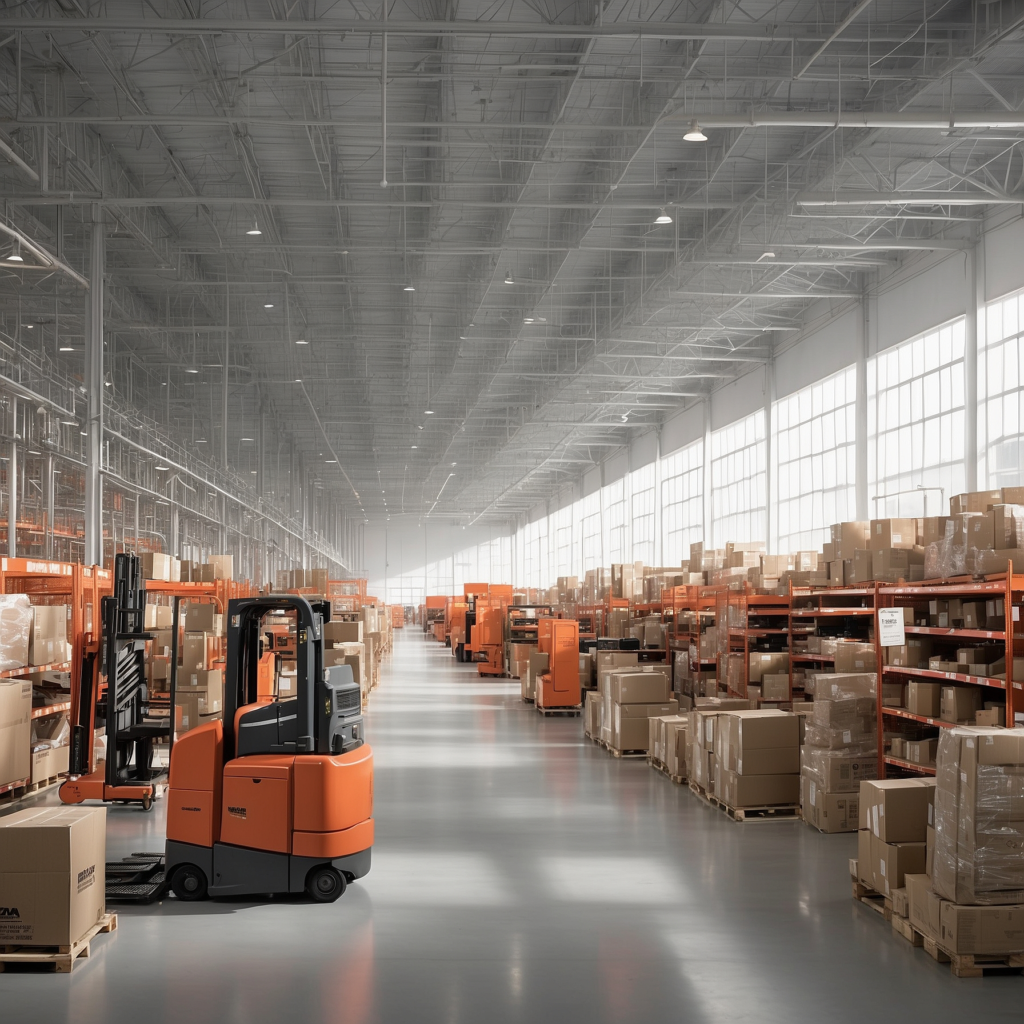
(616, 525)
(682, 502)
(641, 483)
(1000, 396)
(814, 458)
(590, 511)
(916, 424)
(562, 524)
(738, 499)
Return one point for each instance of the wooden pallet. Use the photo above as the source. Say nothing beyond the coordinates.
(573, 712)
(700, 793)
(783, 812)
(35, 787)
(626, 753)
(61, 958)
(974, 965)
(902, 927)
(877, 901)
(527, 700)
(660, 766)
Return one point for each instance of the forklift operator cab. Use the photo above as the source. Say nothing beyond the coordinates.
(279, 797)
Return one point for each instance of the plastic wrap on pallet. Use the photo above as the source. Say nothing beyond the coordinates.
(858, 738)
(979, 816)
(844, 685)
(842, 770)
(15, 630)
(845, 713)
(944, 558)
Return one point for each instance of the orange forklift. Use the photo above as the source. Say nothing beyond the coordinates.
(279, 797)
(559, 687)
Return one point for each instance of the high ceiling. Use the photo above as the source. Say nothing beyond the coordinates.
(459, 313)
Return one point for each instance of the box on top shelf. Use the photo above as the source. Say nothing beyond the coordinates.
(49, 636)
(15, 730)
(893, 533)
(850, 537)
(974, 501)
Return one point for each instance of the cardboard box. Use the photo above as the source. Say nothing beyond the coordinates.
(921, 751)
(933, 529)
(630, 687)
(48, 762)
(848, 537)
(827, 812)
(593, 707)
(855, 657)
(838, 771)
(893, 533)
(223, 567)
(49, 636)
(52, 874)
(897, 810)
(630, 729)
(775, 686)
(924, 699)
(991, 717)
(865, 860)
(158, 616)
(203, 618)
(194, 652)
(337, 632)
(973, 530)
(1007, 526)
(15, 730)
(960, 703)
(766, 661)
(199, 706)
(925, 905)
(156, 566)
(892, 862)
(739, 791)
(913, 654)
(762, 742)
(974, 501)
(15, 628)
(981, 929)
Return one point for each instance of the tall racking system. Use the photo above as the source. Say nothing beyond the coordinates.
(748, 621)
(1005, 590)
(834, 613)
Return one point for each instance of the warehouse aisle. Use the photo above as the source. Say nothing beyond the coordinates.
(520, 875)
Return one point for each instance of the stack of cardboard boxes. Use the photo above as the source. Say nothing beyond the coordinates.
(702, 731)
(892, 842)
(164, 568)
(757, 759)
(343, 645)
(632, 696)
(667, 744)
(200, 677)
(974, 900)
(840, 750)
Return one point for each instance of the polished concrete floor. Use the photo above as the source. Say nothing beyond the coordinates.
(520, 875)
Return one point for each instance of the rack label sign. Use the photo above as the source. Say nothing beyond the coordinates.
(890, 627)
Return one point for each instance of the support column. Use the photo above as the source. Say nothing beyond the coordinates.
(94, 395)
(224, 388)
(770, 504)
(50, 502)
(974, 328)
(12, 485)
(706, 467)
(860, 412)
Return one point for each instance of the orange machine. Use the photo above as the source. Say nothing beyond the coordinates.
(433, 616)
(559, 687)
(456, 626)
(488, 639)
(278, 797)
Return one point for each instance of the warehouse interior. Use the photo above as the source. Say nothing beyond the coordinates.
(587, 439)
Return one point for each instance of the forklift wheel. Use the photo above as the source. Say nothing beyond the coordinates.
(147, 803)
(324, 884)
(188, 883)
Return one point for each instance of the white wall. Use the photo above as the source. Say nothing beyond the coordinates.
(404, 548)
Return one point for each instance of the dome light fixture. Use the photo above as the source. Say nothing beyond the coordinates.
(509, 279)
(428, 412)
(255, 229)
(695, 134)
(409, 288)
(16, 256)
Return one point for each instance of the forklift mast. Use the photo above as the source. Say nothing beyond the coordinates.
(323, 717)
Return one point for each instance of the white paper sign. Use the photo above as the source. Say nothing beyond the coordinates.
(890, 627)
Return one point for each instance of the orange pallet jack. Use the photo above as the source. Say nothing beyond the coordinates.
(488, 637)
(277, 798)
(111, 681)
